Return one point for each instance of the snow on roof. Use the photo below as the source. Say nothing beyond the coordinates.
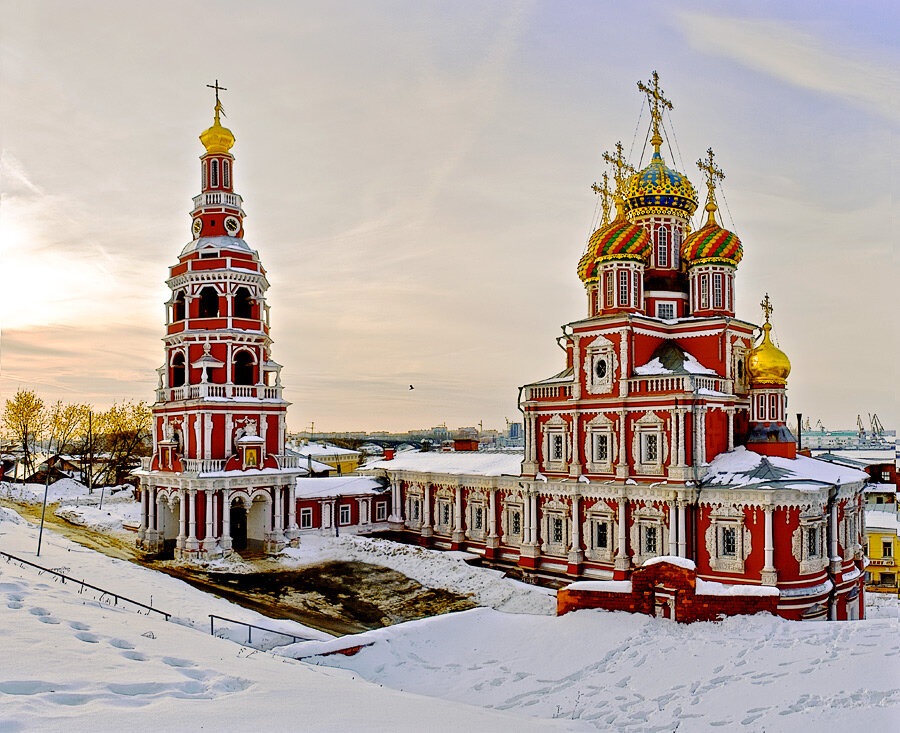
(317, 488)
(865, 457)
(323, 449)
(712, 588)
(602, 586)
(877, 519)
(681, 562)
(216, 243)
(481, 463)
(670, 358)
(742, 467)
(880, 488)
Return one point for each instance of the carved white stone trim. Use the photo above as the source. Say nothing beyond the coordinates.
(810, 562)
(643, 519)
(599, 365)
(557, 427)
(649, 425)
(553, 512)
(600, 425)
(444, 501)
(512, 503)
(476, 500)
(722, 519)
(600, 513)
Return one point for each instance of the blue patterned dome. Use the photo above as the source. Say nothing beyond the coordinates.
(659, 190)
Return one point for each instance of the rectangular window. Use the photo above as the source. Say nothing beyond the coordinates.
(812, 542)
(603, 535)
(623, 287)
(306, 518)
(445, 513)
(416, 510)
(704, 292)
(637, 291)
(729, 541)
(516, 523)
(662, 247)
(717, 290)
(344, 516)
(676, 248)
(649, 540)
(665, 310)
(773, 407)
(556, 453)
(380, 511)
(651, 448)
(479, 518)
(886, 477)
(214, 173)
(609, 290)
(226, 174)
(601, 448)
(727, 293)
(887, 548)
(761, 407)
(557, 533)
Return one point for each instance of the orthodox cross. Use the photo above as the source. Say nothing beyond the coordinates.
(657, 100)
(621, 167)
(605, 195)
(767, 307)
(712, 175)
(219, 107)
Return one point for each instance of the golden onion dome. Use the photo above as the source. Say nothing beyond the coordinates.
(767, 364)
(659, 189)
(618, 240)
(217, 139)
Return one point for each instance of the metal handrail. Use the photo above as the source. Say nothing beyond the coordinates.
(250, 628)
(84, 585)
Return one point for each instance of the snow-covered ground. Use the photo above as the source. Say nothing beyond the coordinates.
(71, 662)
(620, 671)
(431, 568)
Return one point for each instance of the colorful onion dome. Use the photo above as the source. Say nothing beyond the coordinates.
(767, 364)
(217, 139)
(711, 244)
(659, 190)
(618, 240)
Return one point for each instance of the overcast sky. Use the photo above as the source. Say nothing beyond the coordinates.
(417, 182)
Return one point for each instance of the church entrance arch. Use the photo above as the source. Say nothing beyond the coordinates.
(168, 517)
(238, 519)
(257, 522)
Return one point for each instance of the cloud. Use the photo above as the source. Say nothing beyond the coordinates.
(795, 57)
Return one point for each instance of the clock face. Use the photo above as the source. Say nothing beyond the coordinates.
(232, 225)
(196, 227)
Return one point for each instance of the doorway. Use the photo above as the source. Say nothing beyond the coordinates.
(238, 520)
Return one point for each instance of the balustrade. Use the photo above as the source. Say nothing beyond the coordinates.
(205, 391)
(204, 465)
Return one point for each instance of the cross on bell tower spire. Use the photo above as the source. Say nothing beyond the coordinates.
(712, 175)
(219, 107)
(657, 101)
(766, 305)
(605, 195)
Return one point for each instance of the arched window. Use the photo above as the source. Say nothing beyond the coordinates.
(178, 309)
(676, 248)
(243, 368)
(214, 173)
(203, 183)
(226, 174)
(662, 246)
(243, 303)
(209, 303)
(177, 370)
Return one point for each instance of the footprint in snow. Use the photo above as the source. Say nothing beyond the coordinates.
(37, 611)
(48, 620)
(78, 626)
(86, 637)
(121, 644)
(136, 656)
(176, 662)
(15, 596)
(15, 604)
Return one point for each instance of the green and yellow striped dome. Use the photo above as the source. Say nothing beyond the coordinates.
(618, 240)
(711, 244)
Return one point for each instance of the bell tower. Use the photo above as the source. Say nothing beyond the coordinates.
(219, 420)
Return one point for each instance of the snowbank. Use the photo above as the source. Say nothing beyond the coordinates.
(681, 562)
(712, 588)
(605, 586)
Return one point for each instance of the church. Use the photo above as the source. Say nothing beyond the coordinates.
(664, 436)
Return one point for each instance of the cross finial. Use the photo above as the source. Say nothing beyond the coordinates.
(621, 167)
(657, 101)
(219, 107)
(712, 175)
(605, 195)
(766, 305)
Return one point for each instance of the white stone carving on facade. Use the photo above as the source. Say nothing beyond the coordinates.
(722, 519)
(512, 503)
(551, 512)
(809, 562)
(600, 425)
(648, 425)
(600, 512)
(643, 519)
(599, 350)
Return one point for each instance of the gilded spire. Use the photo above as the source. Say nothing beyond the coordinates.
(767, 364)
(767, 307)
(657, 103)
(217, 139)
(620, 175)
(605, 196)
(712, 175)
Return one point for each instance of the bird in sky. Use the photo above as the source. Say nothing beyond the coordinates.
(411, 387)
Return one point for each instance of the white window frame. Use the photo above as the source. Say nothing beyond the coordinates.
(381, 511)
(306, 515)
(650, 424)
(647, 518)
(723, 520)
(512, 506)
(704, 291)
(345, 515)
(662, 246)
(624, 289)
(810, 562)
(600, 514)
(666, 304)
(556, 430)
(551, 512)
(676, 247)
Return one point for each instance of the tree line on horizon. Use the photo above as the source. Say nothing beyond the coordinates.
(119, 435)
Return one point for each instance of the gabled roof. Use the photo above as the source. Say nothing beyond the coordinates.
(670, 358)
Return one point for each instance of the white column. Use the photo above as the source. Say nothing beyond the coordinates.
(575, 463)
(192, 516)
(702, 435)
(673, 526)
(769, 575)
(835, 557)
(535, 518)
(426, 511)
(210, 516)
(576, 521)
(492, 517)
(226, 519)
(622, 462)
(182, 517)
(145, 508)
(198, 436)
(154, 509)
(281, 432)
(229, 429)
(622, 561)
(681, 437)
(292, 506)
(730, 412)
(207, 435)
(457, 510)
(397, 501)
(278, 518)
(673, 425)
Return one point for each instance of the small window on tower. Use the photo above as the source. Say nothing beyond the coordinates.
(178, 310)
(177, 370)
(609, 290)
(243, 368)
(243, 303)
(704, 292)
(226, 174)
(717, 290)
(676, 248)
(214, 173)
(662, 246)
(623, 287)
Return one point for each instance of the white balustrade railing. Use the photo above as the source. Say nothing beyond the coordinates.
(238, 390)
(677, 383)
(204, 391)
(550, 392)
(204, 465)
(218, 198)
(288, 461)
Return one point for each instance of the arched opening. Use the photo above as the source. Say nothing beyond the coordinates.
(662, 246)
(209, 302)
(178, 309)
(226, 174)
(177, 378)
(238, 519)
(243, 303)
(214, 173)
(243, 368)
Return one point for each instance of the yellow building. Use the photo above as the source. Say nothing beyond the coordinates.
(343, 460)
(882, 549)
